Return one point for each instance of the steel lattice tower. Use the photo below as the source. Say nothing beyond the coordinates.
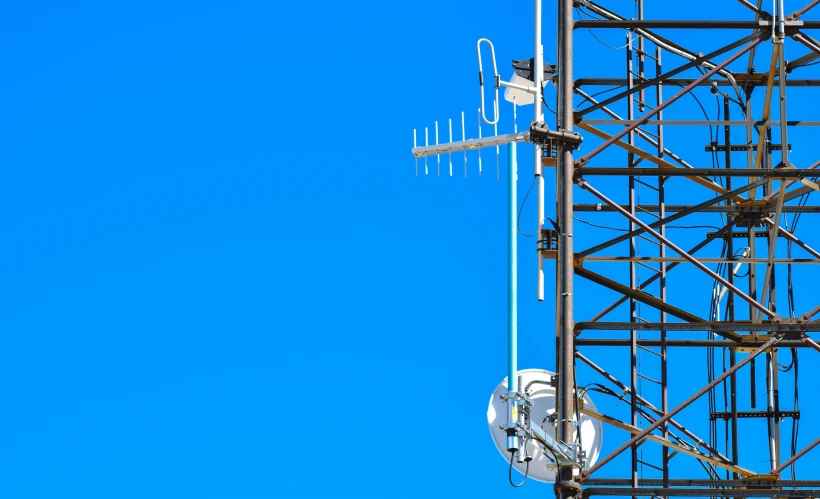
(752, 195)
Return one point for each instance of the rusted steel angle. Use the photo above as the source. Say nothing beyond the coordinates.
(666, 417)
(612, 379)
(622, 133)
(731, 287)
(655, 277)
(651, 158)
(665, 442)
(669, 219)
(654, 81)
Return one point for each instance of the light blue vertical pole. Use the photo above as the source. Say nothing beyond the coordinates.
(512, 270)
(513, 442)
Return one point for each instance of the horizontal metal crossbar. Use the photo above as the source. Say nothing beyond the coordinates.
(755, 80)
(718, 326)
(696, 172)
(662, 492)
(756, 414)
(580, 341)
(702, 482)
(768, 123)
(686, 24)
(675, 208)
(668, 259)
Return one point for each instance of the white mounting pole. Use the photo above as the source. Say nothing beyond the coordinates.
(538, 74)
(479, 136)
(497, 152)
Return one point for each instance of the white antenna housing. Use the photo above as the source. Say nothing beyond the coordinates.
(542, 395)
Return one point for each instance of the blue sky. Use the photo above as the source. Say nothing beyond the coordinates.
(222, 277)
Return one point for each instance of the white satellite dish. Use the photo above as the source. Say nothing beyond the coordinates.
(542, 395)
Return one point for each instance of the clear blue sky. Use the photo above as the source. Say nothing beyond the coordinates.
(222, 278)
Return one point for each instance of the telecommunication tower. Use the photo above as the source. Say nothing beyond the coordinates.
(669, 211)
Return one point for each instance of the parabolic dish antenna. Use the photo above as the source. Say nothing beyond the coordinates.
(542, 395)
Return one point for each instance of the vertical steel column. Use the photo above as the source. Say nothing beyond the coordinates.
(784, 151)
(641, 94)
(662, 213)
(784, 129)
(752, 195)
(752, 242)
(730, 316)
(633, 350)
(565, 486)
(558, 35)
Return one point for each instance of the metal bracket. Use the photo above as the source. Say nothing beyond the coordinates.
(715, 147)
(548, 245)
(540, 133)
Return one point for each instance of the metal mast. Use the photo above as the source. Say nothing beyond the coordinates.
(752, 195)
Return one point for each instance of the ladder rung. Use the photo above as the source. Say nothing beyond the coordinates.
(648, 378)
(644, 104)
(645, 292)
(650, 465)
(655, 135)
(650, 268)
(647, 349)
(644, 210)
(645, 53)
(648, 185)
(656, 243)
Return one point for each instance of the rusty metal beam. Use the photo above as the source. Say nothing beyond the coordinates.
(666, 417)
(665, 442)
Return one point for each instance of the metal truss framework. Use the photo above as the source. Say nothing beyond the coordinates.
(751, 194)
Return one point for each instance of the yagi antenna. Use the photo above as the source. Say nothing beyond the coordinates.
(517, 415)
